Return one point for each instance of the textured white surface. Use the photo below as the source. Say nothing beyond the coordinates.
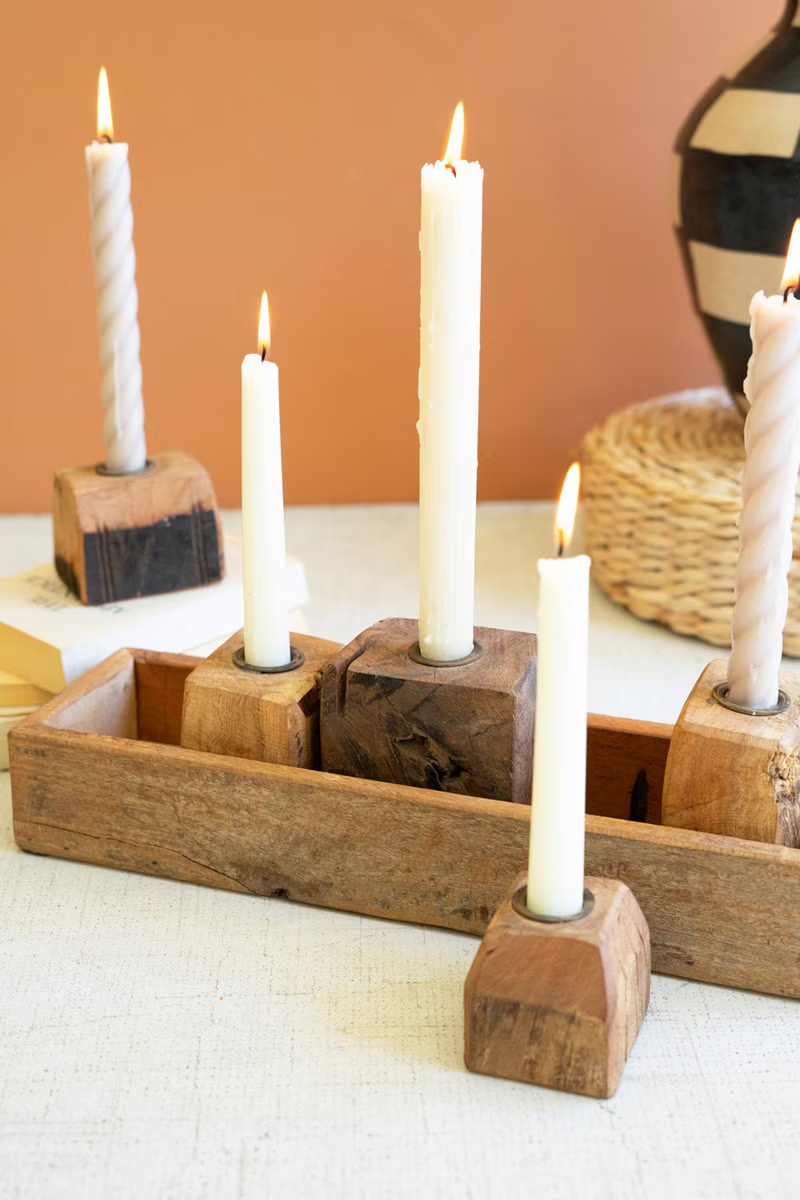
(162, 1040)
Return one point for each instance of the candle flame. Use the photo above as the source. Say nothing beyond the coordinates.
(263, 326)
(105, 125)
(791, 273)
(455, 143)
(567, 507)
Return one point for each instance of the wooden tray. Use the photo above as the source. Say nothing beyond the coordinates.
(98, 776)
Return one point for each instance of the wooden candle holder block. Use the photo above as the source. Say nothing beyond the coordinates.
(98, 776)
(121, 536)
(735, 774)
(559, 1004)
(465, 729)
(265, 717)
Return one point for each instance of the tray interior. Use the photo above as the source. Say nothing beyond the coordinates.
(140, 696)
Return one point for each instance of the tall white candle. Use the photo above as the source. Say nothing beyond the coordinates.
(555, 863)
(117, 298)
(769, 481)
(450, 305)
(266, 617)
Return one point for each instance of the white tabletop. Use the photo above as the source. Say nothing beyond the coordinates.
(164, 1040)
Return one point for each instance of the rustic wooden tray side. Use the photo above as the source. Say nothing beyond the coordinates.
(85, 789)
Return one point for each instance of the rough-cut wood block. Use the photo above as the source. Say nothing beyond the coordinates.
(560, 1005)
(270, 718)
(462, 729)
(90, 782)
(121, 536)
(734, 774)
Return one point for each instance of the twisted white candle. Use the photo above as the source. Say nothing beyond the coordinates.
(772, 441)
(117, 298)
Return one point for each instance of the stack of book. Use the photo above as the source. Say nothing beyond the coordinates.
(18, 697)
(48, 638)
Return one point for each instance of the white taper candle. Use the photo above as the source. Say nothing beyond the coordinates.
(117, 298)
(555, 862)
(769, 482)
(266, 616)
(450, 306)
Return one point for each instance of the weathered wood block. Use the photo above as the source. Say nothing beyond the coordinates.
(561, 1004)
(270, 718)
(466, 729)
(121, 536)
(735, 774)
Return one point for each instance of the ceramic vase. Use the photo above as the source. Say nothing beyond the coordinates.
(737, 190)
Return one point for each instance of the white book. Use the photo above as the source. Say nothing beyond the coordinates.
(49, 638)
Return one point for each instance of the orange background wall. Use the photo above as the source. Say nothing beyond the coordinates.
(279, 145)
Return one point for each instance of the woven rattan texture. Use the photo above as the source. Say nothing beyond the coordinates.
(661, 486)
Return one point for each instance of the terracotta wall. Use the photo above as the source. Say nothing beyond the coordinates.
(279, 146)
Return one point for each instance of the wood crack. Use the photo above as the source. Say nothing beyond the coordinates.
(146, 846)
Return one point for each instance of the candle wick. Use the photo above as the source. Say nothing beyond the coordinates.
(449, 167)
(263, 353)
(104, 137)
(561, 543)
(786, 293)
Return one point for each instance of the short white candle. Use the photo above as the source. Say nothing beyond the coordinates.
(555, 863)
(117, 298)
(769, 482)
(266, 617)
(450, 309)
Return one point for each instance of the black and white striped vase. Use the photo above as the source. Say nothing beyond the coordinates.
(737, 190)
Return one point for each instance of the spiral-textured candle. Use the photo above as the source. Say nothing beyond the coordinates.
(772, 441)
(117, 306)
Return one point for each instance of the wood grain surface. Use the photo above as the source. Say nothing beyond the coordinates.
(560, 1005)
(625, 762)
(160, 682)
(381, 849)
(120, 536)
(732, 773)
(464, 729)
(267, 718)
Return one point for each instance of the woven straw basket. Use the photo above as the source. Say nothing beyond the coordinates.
(662, 493)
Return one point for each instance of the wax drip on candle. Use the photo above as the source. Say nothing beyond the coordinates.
(448, 382)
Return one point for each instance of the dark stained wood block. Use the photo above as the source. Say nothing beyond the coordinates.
(121, 536)
(466, 729)
(269, 718)
(560, 1005)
